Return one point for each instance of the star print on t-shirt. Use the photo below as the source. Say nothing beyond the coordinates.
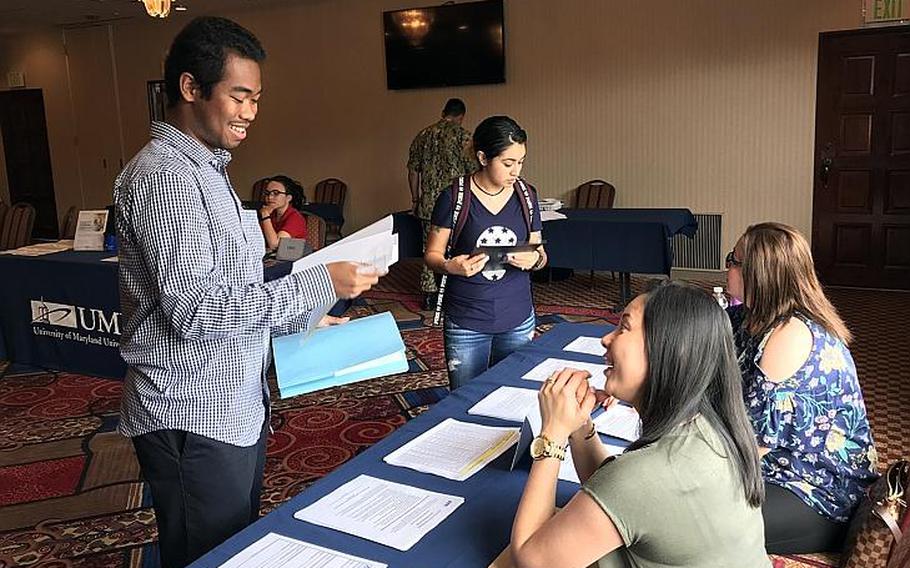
(496, 235)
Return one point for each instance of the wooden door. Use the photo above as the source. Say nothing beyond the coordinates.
(861, 196)
(28, 158)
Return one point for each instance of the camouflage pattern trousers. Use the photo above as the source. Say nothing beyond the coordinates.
(427, 276)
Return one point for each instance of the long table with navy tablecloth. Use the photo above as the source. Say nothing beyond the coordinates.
(61, 311)
(476, 533)
(619, 240)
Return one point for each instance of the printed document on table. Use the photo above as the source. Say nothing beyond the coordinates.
(454, 450)
(589, 345)
(279, 550)
(90, 227)
(619, 421)
(551, 216)
(506, 403)
(543, 371)
(41, 249)
(389, 513)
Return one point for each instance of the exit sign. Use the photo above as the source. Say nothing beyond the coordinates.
(885, 10)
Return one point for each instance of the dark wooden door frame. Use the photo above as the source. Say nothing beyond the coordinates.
(861, 185)
(27, 156)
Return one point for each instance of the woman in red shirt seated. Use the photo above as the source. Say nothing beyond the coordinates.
(278, 216)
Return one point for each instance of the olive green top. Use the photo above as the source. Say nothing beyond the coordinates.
(680, 503)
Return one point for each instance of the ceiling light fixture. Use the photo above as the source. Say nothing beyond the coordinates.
(157, 8)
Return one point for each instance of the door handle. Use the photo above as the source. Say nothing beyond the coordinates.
(825, 171)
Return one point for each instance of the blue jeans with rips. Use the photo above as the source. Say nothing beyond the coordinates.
(470, 353)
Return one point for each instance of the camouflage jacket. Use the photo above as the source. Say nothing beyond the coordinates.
(439, 153)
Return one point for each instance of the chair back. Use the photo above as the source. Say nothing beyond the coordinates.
(315, 230)
(3, 209)
(595, 194)
(330, 190)
(69, 223)
(16, 230)
(258, 188)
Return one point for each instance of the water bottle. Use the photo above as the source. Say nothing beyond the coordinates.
(721, 297)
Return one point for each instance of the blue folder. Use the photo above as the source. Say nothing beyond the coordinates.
(360, 349)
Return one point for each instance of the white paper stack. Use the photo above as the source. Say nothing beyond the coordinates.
(549, 366)
(551, 216)
(453, 449)
(589, 345)
(382, 511)
(619, 421)
(506, 403)
(279, 550)
(549, 204)
(374, 245)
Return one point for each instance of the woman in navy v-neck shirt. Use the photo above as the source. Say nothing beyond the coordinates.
(488, 310)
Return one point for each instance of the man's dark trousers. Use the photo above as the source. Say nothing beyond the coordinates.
(203, 490)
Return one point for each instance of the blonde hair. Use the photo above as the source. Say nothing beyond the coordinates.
(779, 280)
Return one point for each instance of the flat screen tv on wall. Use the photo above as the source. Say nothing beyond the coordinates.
(448, 45)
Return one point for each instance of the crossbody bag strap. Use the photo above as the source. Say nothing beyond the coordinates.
(456, 213)
(892, 504)
(527, 205)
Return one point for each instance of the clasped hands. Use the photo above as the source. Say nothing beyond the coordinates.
(566, 401)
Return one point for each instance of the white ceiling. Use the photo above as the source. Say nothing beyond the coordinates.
(22, 15)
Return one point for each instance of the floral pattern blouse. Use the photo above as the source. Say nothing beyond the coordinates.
(814, 422)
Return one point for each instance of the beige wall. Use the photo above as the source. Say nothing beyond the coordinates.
(40, 55)
(702, 104)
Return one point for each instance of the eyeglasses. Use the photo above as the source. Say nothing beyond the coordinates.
(731, 260)
(273, 193)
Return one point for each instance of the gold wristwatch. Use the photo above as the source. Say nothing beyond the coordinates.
(543, 447)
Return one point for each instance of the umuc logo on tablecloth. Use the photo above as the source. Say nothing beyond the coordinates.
(75, 317)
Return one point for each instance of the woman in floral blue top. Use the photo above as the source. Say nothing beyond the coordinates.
(801, 391)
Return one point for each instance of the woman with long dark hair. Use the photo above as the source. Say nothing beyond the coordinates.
(801, 390)
(488, 308)
(688, 492)
(279, 215)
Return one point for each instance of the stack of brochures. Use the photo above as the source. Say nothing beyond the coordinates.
(549, 204)
(360, 349)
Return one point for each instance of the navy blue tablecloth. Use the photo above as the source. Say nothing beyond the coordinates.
(62, 311)
(676, 220)
(410, 235)
(620, 240)
(477, 531)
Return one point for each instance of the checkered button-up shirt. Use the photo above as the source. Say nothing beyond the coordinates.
(198, 315)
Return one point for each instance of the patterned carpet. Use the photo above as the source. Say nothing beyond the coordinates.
(70, 493)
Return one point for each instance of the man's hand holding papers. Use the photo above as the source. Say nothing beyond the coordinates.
(351, 279)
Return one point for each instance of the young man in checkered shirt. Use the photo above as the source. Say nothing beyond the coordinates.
(198, 314)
